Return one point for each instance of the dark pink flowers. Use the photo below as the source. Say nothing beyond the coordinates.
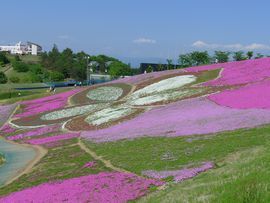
(49, 103)
(104, 187)
(180, 175)
(51, 139)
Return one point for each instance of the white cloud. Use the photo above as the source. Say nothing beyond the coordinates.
(237, 46)
(143, 40)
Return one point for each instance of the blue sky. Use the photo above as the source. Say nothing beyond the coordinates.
(141, 29)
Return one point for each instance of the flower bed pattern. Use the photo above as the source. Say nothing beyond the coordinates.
(107, 93)
(51, 139)
(108, 114)
(6, 129)
(179, 175)
(188, 117)
(70, 112)
(35, 132)
(49, 103)
(102, 187)
(252, 96)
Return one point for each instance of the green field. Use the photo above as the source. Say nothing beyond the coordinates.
(241, 157)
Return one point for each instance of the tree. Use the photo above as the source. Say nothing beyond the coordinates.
(117, 69)
(239, 56)
(200, 58)
(169, 64)
(258, 56)
(14, 79)
(3, 59)
(149, 69)
(56, 76)
(249, 54)
(185, 60)
(20, 66)
(3, 78)
(222, 56)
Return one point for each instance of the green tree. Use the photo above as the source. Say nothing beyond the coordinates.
(56, 76)
(3, 59)
(239, 56)
(14, 79)
(149, 69)
(249, 54)
(185, 60)
(117, 69)
(169, 64)
(222, 56)
(20, 66)
(3, 78)
(258, 56)
(200, 58)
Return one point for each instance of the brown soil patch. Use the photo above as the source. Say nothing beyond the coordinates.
(79, 123)
(36, 120)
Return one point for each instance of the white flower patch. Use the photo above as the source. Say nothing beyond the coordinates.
(66, 113)
(164, 85)
(108, 93)
(108, 114)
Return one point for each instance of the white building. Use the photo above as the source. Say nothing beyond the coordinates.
(20, 48)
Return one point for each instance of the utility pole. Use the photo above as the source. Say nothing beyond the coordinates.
(88, 76)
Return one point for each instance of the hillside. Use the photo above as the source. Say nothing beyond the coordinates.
(189, 135)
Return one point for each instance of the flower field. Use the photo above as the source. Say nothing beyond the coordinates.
(122, 140)
(103, 187)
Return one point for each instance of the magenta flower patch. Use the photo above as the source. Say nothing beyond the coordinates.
(103, 188)
(189, 117)
(180, 175)
(49, 103)
(52, 139)
(240, 72)
(252, 96)
(7, 129)
(90, 164)
(35, 132)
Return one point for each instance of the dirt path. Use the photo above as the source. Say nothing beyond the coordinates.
(40, 153)
(99, 158)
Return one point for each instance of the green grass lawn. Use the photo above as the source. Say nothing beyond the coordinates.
(60, 163)
(25, 94)
(241, 157)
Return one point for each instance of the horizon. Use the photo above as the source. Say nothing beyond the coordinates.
(149, 31)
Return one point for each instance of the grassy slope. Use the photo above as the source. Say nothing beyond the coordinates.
(241, 158)
(60, 163)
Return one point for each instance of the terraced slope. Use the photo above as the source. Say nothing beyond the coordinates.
(195, 135)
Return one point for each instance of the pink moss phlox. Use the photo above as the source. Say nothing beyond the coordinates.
(144, 77)
(35, 132)
(189, 117)
(89, 164)
(180, 175)
(7, 129)
(240, 72)
(49, 103)
(104, 187)
(256, 95)
(52, 139)
(5, 112)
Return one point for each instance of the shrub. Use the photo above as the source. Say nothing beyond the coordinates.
(20, 66)
(14, 79)
(56, 76)
(3, 78)
(3, 59)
